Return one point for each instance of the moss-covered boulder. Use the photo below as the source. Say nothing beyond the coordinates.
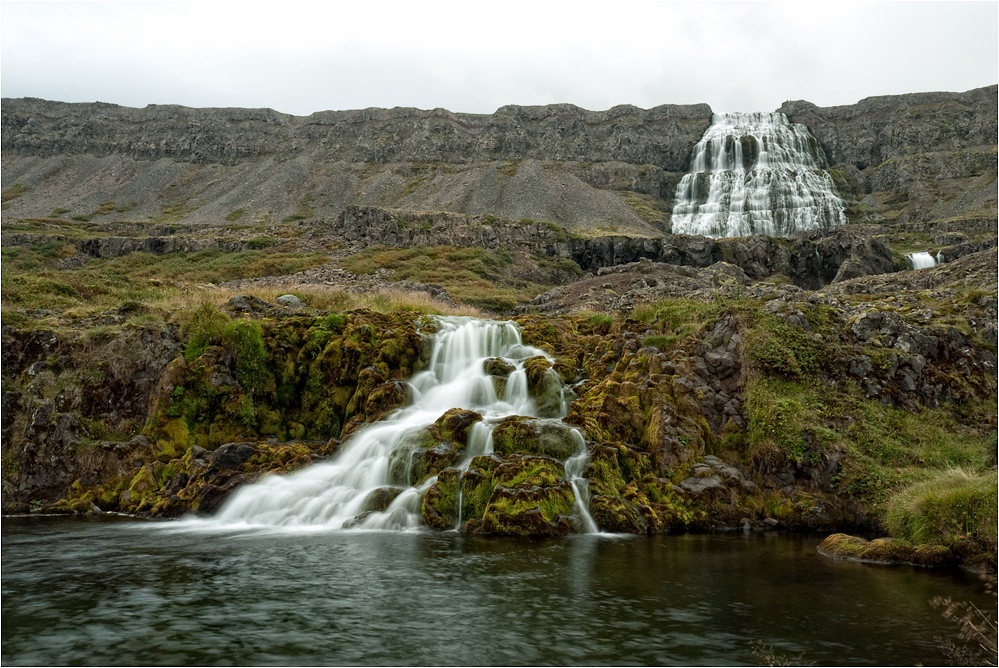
(380, 499)
(498, 367)
(552, 438)
(385, 398)
(453, 427)
(603, 472)
(886, 551)
(440, 502)
(613, 515)
(530, 497)
(529, 510)
(545, 385)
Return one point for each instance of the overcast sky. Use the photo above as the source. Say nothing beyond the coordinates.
(476, 56)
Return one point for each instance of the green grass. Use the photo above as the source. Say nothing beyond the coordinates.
(13, 192)
(30, 279)
(884, 448)
(950, 506)
(475, 276)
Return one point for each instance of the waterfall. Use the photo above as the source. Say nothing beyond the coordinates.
(756, 173)
(923, 260)
(337, 494)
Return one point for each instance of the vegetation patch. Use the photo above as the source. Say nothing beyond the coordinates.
(475, 276)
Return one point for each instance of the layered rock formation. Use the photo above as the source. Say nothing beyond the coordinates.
(555, 162)
(919, 157)
(911, 158)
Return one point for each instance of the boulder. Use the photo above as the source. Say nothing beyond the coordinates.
(554, 438)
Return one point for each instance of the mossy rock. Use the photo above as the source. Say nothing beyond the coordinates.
(497, 366)
(367, 380)
(603, 472)
(430, 462)
(440, 502)
(886, 551)
(545, 385)
(552, 438)
(651, 519)
(454, 425)
(614, 515)
(380, 499)
(529, 510)
(386, 398)
(529, 470)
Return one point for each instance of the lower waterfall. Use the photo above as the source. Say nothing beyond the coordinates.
(756, 173)
(337, 494)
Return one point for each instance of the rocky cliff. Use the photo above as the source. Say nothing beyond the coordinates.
(556, 162)
(905, 158)
(919, 157)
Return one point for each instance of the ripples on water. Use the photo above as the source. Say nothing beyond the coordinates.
(131, 593)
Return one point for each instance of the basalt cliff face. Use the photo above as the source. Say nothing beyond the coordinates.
(908, 158)
(556, 162)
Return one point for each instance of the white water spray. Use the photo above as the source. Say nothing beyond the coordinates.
(756, 173)
(337, 494)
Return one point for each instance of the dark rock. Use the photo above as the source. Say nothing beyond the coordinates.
(232, 455)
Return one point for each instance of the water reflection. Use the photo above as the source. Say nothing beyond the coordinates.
(116, 594)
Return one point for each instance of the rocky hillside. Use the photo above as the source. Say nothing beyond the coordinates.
(905, 158)
(927, 156)
(557, 162)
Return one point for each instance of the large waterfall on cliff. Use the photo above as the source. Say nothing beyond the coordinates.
(756, 173)
(338, 494)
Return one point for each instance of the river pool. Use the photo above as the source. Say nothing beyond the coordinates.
(125, 592)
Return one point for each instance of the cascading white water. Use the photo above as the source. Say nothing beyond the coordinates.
(328, 496)
(923, 260)
(756, 173)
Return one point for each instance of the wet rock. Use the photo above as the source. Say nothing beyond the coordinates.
(614, 515)
(554, 438)
(380, 499)
(454, 426)
(440, 501)
(385, 398)
(529, 510)
(497, 366)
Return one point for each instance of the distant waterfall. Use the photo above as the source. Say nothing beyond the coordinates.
(756, 173)
(923, 260)
(335, 495)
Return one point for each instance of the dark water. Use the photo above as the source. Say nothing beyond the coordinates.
(129, 593)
